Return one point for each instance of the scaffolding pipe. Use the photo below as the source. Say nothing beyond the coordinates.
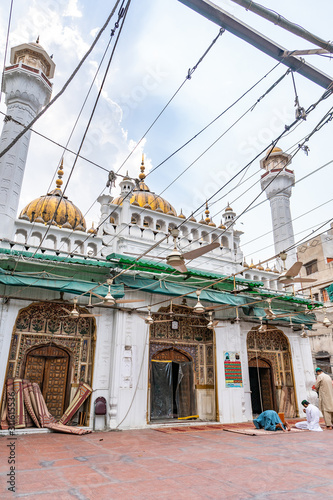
(230, 23)
(281, 21)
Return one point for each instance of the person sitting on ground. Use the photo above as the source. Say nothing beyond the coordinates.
(270, 421)
(324, 388)
(312, 417)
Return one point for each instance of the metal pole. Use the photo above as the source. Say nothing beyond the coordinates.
(245, 32)
(284, 23)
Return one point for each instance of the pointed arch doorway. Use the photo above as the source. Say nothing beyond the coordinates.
(271, 371)
(261, 385)
(48, 366)
(172, 385)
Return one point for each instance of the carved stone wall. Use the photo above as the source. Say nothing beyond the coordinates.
(45, 323)
(273, 346)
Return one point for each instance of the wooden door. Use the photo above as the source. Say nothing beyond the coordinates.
(48, 367)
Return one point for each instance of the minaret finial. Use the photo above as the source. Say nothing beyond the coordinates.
(60, 174)
(37, 40)
(142, 176)
(207, 213)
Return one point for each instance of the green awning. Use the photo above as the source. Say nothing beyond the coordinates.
(42, 280)
(56, 258)
(164, 287)
(156, 267)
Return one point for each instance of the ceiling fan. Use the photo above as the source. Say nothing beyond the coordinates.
(288, 276)
(109, 300)
(176, 258)
(270, 314)
(75, 314)
(149, 320)
(210, 325)
(199, 308)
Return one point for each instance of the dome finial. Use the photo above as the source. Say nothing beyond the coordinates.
(60, 174)
(142, 168)
(207, 213)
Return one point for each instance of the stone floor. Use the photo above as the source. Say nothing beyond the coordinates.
(148, 464)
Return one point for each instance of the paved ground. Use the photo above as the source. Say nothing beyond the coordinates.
(147, 464)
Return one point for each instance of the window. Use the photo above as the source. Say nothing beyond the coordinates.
(323, 361)
(311, 267)
(324, 295)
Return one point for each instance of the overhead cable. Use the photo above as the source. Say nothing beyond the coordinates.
(27, 127)
(188, 77)
(121, 17)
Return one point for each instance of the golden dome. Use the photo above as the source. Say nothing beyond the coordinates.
(228, 208)
(245, 264)
(222, 226)
(274, 150)
(143, 197)
(92, 230)
(55, 206)
(202, 221)
(192, 219)
(260, 267)
(181, 215)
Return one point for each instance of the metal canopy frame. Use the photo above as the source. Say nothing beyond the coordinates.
(253, 37)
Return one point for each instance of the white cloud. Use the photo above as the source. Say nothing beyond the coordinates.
(72, 9)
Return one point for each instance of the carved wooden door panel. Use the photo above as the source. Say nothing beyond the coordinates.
(48, 366)
(34, 370)
(54, 387)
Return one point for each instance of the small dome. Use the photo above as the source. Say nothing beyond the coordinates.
(181, 215)
(245, 264)
(143, 197)
(268, 269)
(192, 219)
(260, 267)
(92, 230)
(274, 150)
(228, 208)
(55, 206)
(202, 221)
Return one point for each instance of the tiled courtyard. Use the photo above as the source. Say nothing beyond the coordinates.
(148, 464)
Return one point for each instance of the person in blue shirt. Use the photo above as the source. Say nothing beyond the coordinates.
(270, 421)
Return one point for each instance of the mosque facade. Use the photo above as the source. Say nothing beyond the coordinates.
(211, 337)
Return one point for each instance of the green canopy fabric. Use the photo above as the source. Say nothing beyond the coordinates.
(175, 289)
(164, 287)
(75, 287)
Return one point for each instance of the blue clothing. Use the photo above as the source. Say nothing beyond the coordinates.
(268, 420)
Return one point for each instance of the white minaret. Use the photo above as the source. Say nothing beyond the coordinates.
(27, 88)
(278, 191)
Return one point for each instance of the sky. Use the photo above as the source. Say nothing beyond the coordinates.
(160, 41)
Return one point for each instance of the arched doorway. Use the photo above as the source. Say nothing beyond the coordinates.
(53, 350)
(270, 351)
(48, 366)
(172, 385)
(261, 385)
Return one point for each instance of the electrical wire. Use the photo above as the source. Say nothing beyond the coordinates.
(33, 121)
(121, 17)
(6, 45)
(310, 109)
(188, 77)
(325, 95)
